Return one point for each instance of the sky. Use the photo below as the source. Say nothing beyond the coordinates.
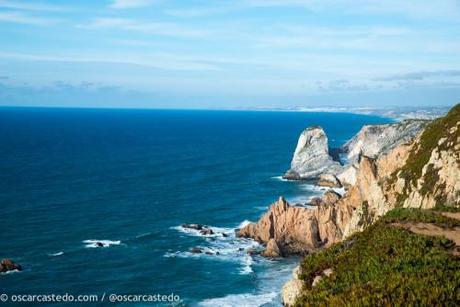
(229, 53)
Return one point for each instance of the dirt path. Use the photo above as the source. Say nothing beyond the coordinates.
(428, 229)
(452, 215)
(432, 230)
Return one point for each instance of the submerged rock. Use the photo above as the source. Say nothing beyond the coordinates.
(7, 265)
(196, 250)
(193, 226)
(311, 157)
(206, 232)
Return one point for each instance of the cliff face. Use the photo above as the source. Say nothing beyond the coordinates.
(421, 174)
(311, 157)
(373, 140)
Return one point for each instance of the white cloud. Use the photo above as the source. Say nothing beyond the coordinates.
(157, 28)
(419, 9)
(25, 19)
(26, 6)
(127, 4)
(158, 60)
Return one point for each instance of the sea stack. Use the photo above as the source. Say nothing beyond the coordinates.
(311, 157)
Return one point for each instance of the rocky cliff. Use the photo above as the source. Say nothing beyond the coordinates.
(373, 140)
(311, 156)
(421, 173)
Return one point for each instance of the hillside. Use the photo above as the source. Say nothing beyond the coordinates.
(388, 264)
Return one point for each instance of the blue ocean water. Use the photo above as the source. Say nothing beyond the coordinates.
(131, 177)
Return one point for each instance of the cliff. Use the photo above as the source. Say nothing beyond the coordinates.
(373, 140)
(421, 173)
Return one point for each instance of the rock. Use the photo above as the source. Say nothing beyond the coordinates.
(315, 201)
(272, 250)
(252, 252)
(316, 280)
(328, 272)
(99, 244)
(296, 227)
(196, 250)
(330, 197)
(292, 289)
(329, 180)
(311, 157)
(291, 175)
(209, 253)
(374, 140)
(224, 235)
(296, 272)
(206, 232)
(7, 265)
(347, 177)
(193, 226)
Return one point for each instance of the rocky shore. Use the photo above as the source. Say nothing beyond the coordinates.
(411, 164)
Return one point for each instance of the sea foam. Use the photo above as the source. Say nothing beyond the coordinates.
(56, 254)
(221, 248)
(105, 243)
(243, 300)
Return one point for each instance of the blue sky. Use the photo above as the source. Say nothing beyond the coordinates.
(229, 53)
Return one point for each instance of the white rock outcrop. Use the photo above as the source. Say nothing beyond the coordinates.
(311, 157)
(292, 289)
(374, 140)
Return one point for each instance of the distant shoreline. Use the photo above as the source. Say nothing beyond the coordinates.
(396, 113)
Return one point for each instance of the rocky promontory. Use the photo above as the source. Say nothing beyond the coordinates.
(418, 173)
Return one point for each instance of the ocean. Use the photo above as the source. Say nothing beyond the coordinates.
(129, 179)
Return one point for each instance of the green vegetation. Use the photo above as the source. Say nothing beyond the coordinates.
(386, 265)
(420, 154)
(446, 208)
(417, 215)
(436, 130)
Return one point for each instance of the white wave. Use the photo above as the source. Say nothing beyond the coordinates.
(10, 272)
(244, 224)
(247, 265)
(280, 178)
(56, 254)
(243, 300)
(319, 190)
(142, 235)
(221, 248)
(218, 232)
(105, 243)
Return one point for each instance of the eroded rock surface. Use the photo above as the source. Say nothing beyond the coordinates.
(311, 157)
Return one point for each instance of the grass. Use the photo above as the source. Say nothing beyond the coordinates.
(445, 208)
(385, 265)
(417, 215)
